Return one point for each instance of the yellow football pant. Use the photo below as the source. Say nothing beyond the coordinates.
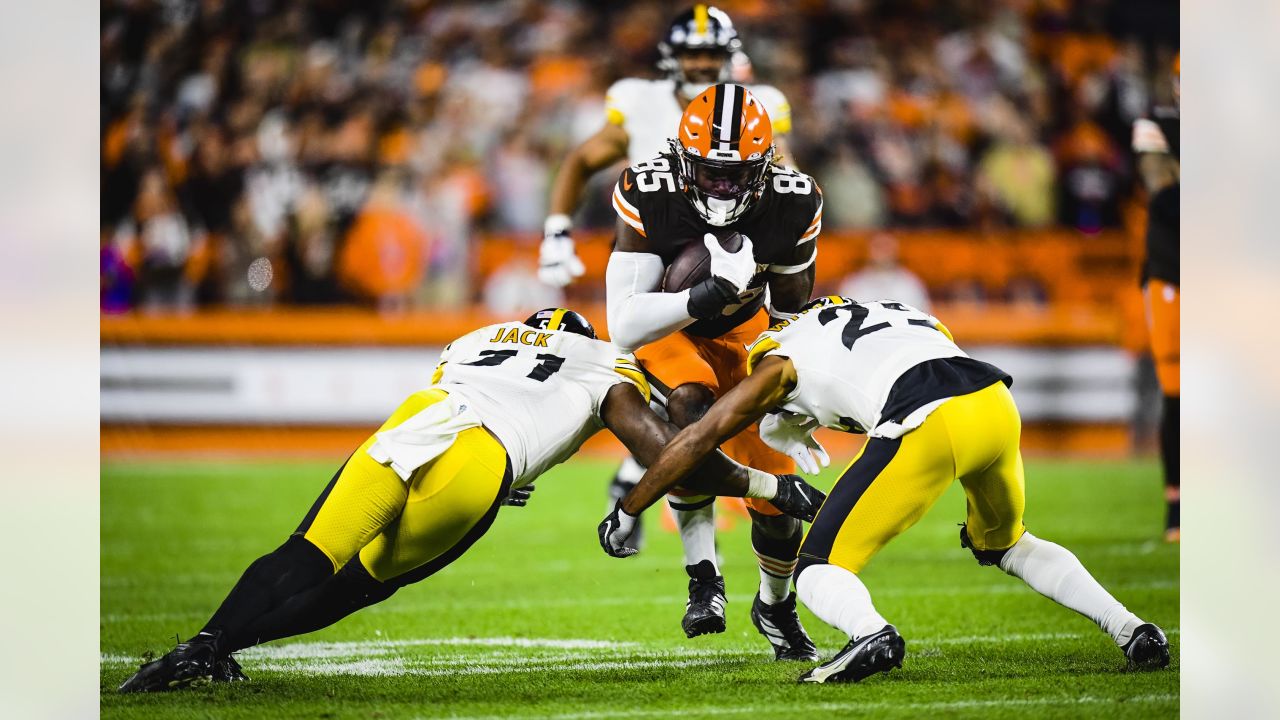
(405, 531)
(892, 483)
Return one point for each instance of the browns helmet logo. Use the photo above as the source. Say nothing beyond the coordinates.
(724, 145)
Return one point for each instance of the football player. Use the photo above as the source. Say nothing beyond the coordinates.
(933, 415)
(700, 48)
(718, 175)
(506, 403)
(1155, 139)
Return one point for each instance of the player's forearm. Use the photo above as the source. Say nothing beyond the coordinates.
(789, 293)
(636, 314)
(680, 457)
(568, 183)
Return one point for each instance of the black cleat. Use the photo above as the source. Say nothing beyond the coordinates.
(863, 657)
(1148, 647)
(704, 613)
(780, 625)
(187, 664)
(227, 670)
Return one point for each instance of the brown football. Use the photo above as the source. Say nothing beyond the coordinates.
(692, 264)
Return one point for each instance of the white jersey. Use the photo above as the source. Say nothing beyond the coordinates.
(849, 357)
(539, 391)
(650, 113)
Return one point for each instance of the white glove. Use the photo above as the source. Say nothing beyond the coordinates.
(615, 531)
(737, 267)
(792, 435)
(558, 264)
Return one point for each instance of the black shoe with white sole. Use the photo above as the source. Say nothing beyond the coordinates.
(863, 657)
(704, 613)
(780, 625)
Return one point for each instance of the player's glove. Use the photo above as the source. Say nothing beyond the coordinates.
(558, 264)
(616, 530)
(730, 273)
(519, 497)
(797, 498)
(736, 267)
(792, 435)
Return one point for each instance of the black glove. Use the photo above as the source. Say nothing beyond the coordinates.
(519, 497)
(615, 530)
(797, 498)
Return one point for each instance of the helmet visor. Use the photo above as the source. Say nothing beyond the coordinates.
(726, 181)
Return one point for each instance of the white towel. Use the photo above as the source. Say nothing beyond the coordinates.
(424, 436)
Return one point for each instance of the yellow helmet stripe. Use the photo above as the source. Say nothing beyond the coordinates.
(556, 318)
(700, 19)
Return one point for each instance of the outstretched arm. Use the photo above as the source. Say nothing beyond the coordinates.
(773, 378)
(596, 153)
(645, 434)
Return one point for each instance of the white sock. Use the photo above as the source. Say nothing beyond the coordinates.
(839, 599)
(775, 579)
(697, 529)
(1054, 572)
(761, 484)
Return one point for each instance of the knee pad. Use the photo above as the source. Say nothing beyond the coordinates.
(984, 557)
(689, 402)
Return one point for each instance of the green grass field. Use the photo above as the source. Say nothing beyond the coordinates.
(536, 621)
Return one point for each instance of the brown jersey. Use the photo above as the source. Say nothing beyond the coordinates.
(783, 226)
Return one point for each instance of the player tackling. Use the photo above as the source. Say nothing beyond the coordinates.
(506, 403)
(933, 415)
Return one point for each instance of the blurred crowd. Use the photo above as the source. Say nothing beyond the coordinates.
(331, 151)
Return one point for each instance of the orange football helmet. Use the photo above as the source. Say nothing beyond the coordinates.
(723, 148)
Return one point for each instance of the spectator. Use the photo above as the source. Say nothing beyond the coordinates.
(884, 277)
(383, 258)
(1017, 174)
(514, 290)
(851, 196)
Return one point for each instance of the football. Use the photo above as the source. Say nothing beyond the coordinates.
(693, 263)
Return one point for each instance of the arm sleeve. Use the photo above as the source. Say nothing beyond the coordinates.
(637, 313)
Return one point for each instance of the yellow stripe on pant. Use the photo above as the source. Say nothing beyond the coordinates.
(397, 527)
(892, 483)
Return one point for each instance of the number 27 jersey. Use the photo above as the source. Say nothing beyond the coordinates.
(877, 367)
(539, 391)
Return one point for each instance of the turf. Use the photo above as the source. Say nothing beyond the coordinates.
(536, 621)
